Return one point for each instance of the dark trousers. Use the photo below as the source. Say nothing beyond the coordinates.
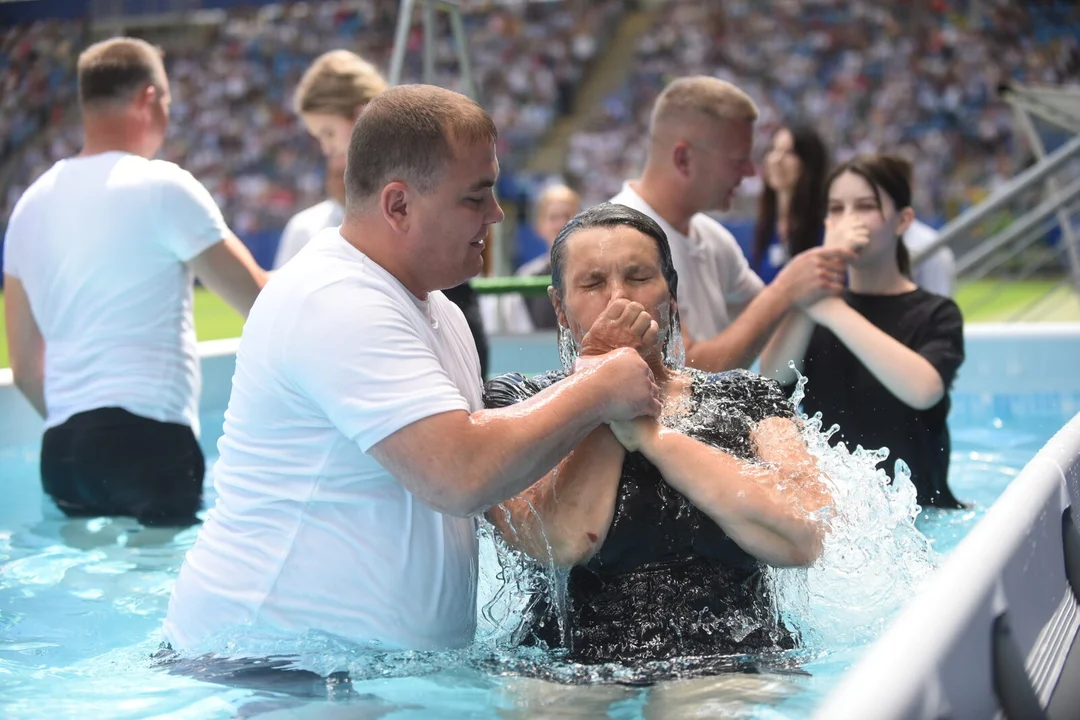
(109, 461)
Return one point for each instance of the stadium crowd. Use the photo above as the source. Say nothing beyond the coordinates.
(866, 74)
(919, 78)
(233, 123)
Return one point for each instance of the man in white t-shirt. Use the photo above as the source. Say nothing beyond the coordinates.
(99, 257)
(935, 273)
(356, 452)
(700, 144)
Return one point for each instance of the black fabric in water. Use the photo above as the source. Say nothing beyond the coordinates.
(109, 461)
(668, 582)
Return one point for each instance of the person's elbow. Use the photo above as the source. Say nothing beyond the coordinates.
(24, 382)
(458, 502)
(804, 548)
(27, 370)
(927, 393)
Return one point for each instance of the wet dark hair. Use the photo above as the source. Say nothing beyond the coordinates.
(612, 215)
(807, 212)
(891, 174)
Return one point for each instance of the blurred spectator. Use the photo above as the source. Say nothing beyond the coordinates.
(791, 216)
(935, 273)
(555, 206)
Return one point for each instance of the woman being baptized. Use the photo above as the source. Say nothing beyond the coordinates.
(666, 526)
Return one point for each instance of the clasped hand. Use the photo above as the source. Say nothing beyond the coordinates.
(624, 324)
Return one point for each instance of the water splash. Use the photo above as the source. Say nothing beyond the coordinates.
(569, 349)
(674, 348)
(873, 558)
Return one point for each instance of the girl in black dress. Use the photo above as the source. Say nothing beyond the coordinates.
(881, 358)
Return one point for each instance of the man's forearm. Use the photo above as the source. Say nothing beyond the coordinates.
(740, 343)
(516, 446)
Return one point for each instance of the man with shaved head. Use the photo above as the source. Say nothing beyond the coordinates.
(700, 149)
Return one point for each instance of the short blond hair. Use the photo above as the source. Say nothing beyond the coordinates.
(702, 97)
(555, 193)
(112, 71)
(339, 82)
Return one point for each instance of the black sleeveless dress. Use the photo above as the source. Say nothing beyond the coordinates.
(667, 582)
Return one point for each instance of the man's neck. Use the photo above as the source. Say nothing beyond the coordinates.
(372, 239)
(662, 197)
(107, 133)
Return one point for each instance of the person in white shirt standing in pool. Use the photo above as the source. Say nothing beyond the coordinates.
(356, 452)
(701, 136)
(98, 263)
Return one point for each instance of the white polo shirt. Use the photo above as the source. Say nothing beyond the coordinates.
(305, 225)
(715, 280)
(100, 243)
(309, 532)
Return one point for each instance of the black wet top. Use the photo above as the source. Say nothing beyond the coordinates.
(668, 581)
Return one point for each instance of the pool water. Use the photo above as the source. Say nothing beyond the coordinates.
(81, 603)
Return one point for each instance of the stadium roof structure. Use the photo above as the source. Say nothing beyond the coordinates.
(1060, 107)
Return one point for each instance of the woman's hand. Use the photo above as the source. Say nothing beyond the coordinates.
(635, 434)
(622, 324)
(847, 233)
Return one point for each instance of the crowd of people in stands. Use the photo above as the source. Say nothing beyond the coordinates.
(921, 79)
(233, 124)
(865, 74)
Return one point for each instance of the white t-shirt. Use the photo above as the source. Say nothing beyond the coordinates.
(936, 273)
(305, 225)
(309, 532)
(100, 245)
(715, 280)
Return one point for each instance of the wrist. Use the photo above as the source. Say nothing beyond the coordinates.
(779, 292)
(648, 442)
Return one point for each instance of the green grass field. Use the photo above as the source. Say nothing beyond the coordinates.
(981, 301)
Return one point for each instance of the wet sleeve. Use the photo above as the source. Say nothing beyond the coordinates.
(756, 396)
(512, 388)
(943, 342)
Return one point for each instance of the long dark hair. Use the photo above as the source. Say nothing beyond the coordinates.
(612, 215)
(893, 175)
(807, 212)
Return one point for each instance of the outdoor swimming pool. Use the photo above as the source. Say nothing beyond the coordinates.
(81, 601)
